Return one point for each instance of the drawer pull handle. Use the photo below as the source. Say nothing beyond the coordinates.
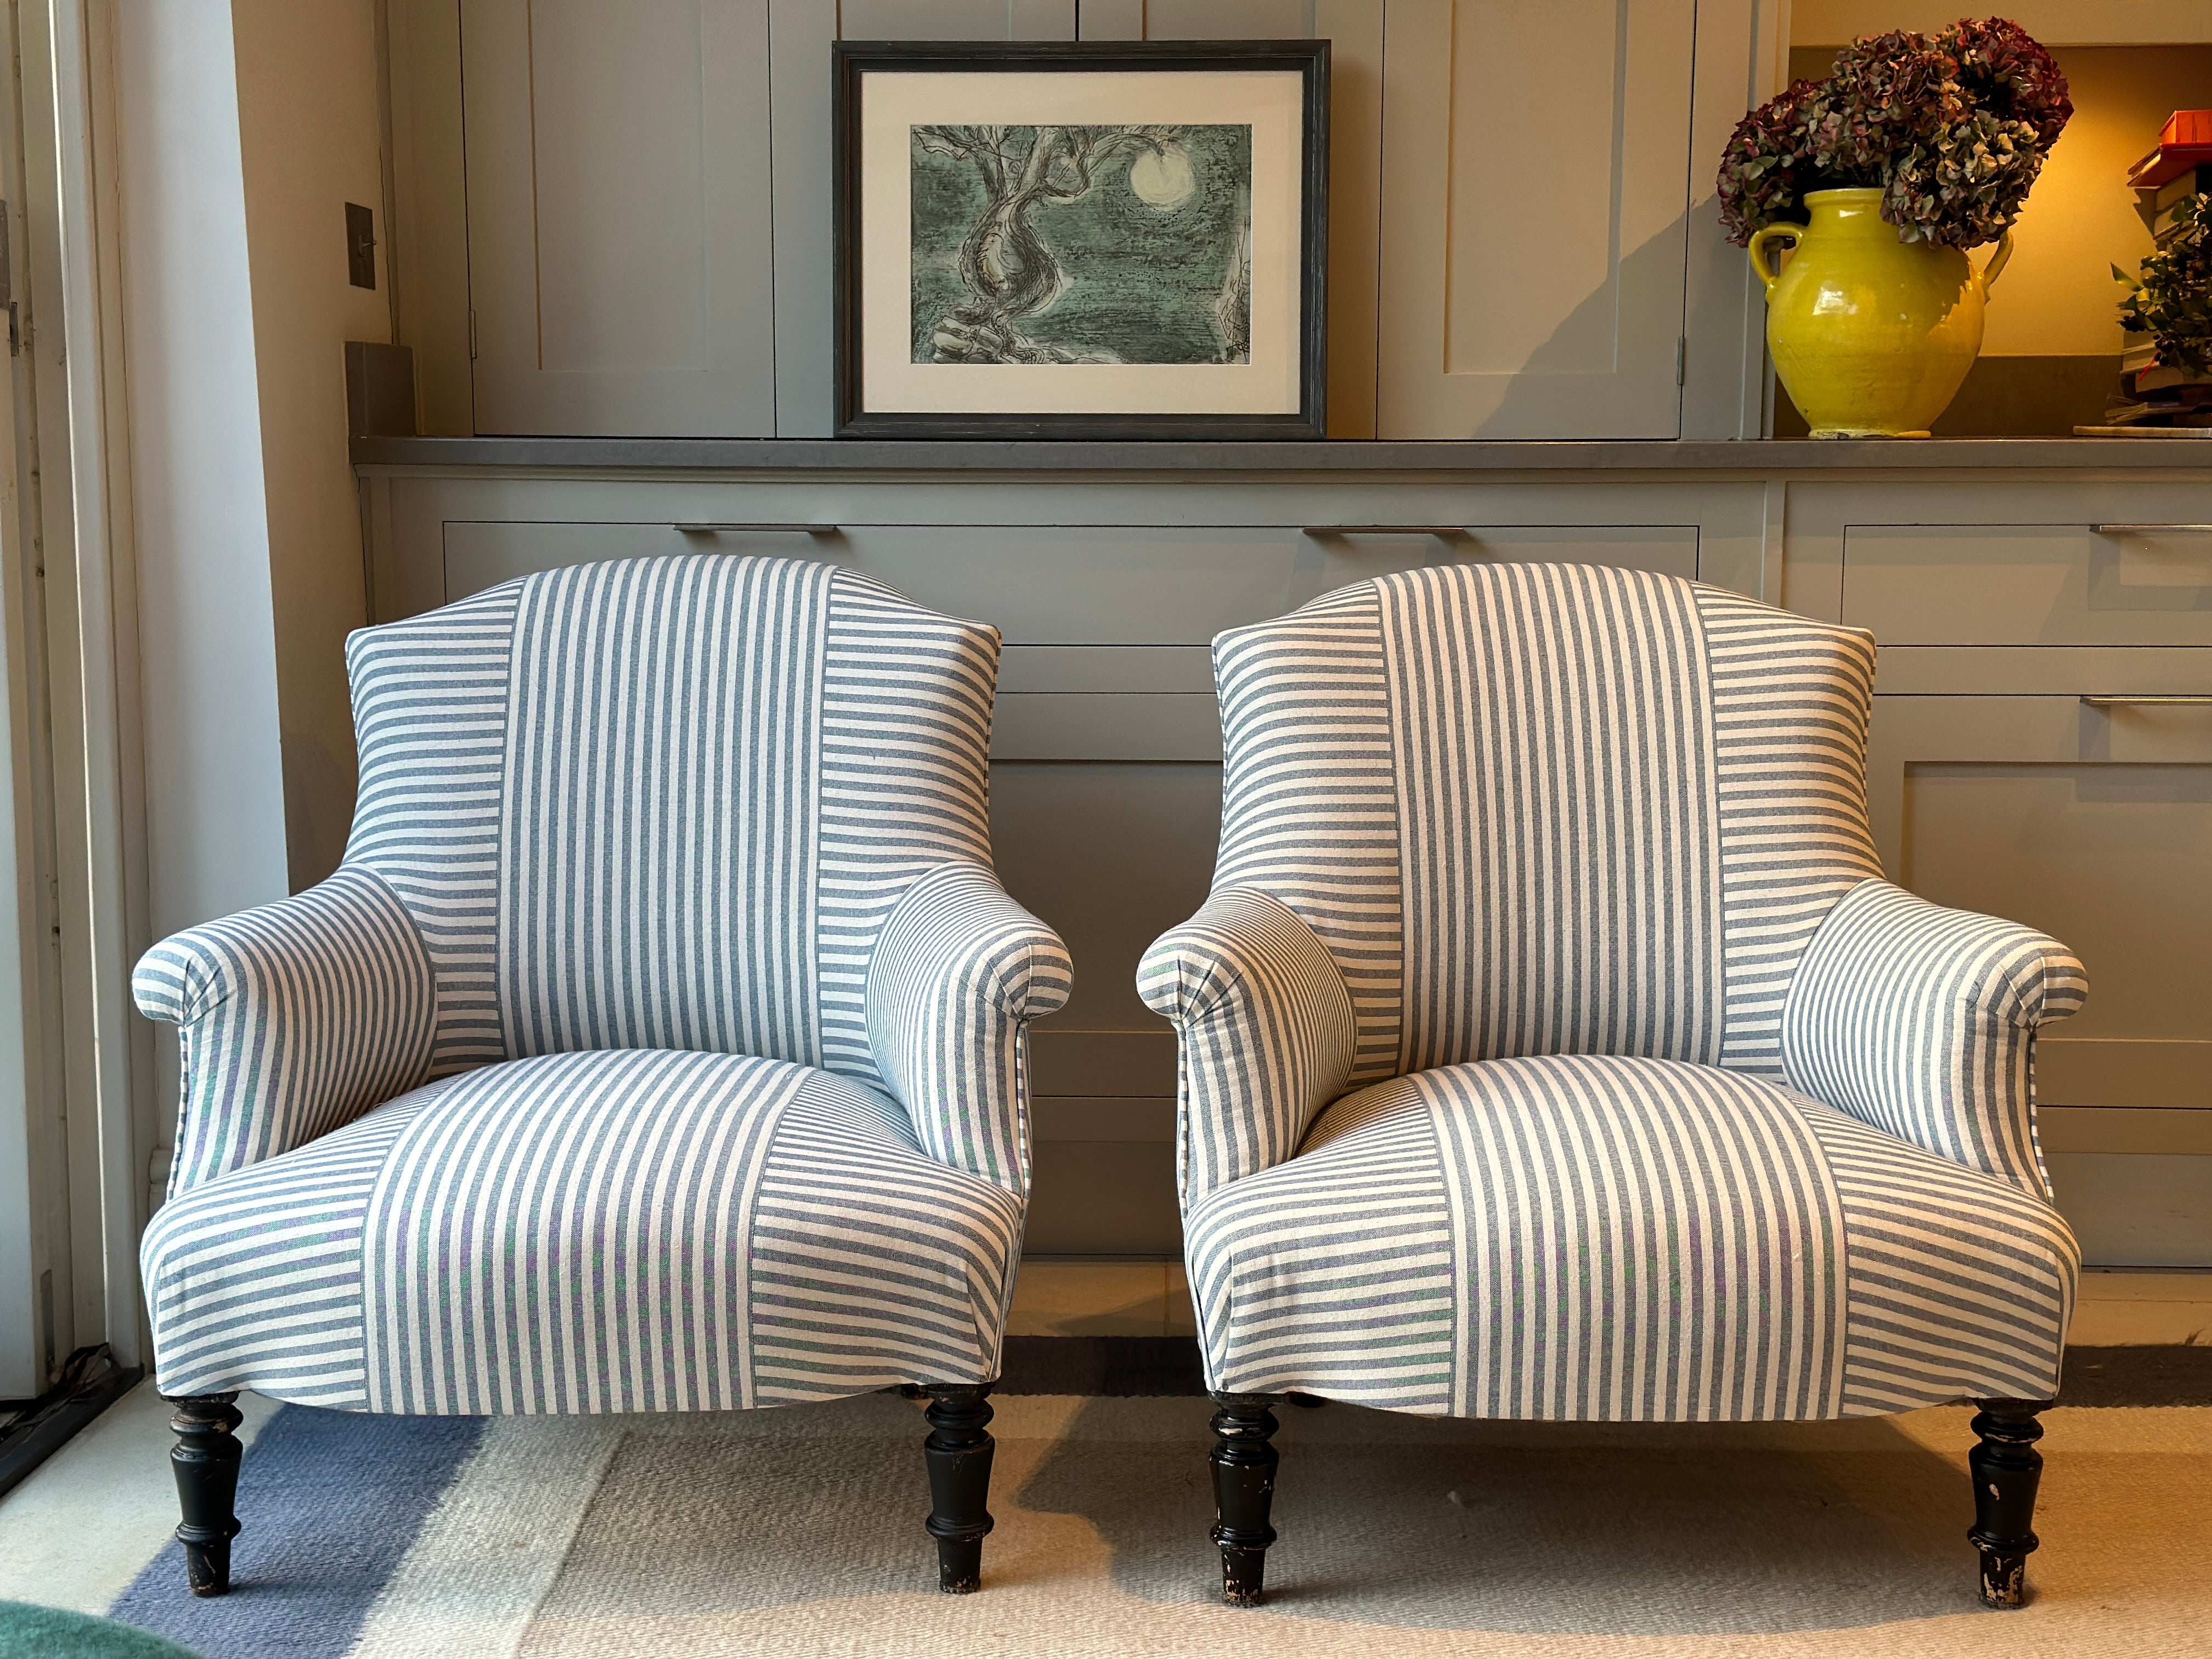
(755, 529)
(2151, 529)
(2130, 702)
(1447, 532)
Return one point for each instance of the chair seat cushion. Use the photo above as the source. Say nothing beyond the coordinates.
(1593, 1238)
(643, 1229)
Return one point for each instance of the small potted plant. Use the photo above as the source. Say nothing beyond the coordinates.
(1915, 149)
(2168, 309)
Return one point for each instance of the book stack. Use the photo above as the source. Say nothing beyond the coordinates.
(2157, 203)
(2161, 400)
(2155, 394)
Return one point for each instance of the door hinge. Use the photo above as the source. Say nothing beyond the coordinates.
(472, 334)
(1681, 357)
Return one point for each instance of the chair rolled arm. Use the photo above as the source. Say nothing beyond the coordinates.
(1266, 1030)
(1920, 1021)
(957, 974)
(294, 1018)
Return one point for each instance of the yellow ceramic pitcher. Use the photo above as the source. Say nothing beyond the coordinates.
(1872, 337)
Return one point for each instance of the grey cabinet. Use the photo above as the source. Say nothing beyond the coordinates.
(1535, 195)
(618, 186)
(616, 220)
(2092, 822)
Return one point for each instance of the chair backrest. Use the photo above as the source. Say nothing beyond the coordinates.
(667, 803)
(1549, 809)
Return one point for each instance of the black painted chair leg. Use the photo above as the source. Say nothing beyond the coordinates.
(2006, 1467)
(205, 1462)
(958, 1452)
(1243, 1487)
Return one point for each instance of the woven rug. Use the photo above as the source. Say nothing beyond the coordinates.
(798, 1532)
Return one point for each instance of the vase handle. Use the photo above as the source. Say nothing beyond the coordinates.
(1757, 245)
(1996, 262)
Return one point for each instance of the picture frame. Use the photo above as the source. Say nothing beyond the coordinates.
(1158, 271)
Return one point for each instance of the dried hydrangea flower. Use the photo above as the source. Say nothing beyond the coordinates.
(1951, 128)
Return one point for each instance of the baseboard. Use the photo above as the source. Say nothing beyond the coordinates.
(1132, 1366)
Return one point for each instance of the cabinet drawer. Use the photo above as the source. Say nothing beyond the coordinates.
(1062, 585)
(2030, 584)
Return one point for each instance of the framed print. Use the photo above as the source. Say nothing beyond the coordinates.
(1101, 239)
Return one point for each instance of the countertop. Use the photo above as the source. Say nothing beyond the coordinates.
(1765, 457)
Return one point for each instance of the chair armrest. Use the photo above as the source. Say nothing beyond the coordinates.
(957, 974)
(294, 1019)
(1265, 1028)
(1921, 1021)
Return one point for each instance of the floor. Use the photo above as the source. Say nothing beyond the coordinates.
(75, 1534)
(1152, 1298)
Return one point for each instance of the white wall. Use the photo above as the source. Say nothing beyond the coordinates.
(310, 136)
(245, 126)
(215, 790)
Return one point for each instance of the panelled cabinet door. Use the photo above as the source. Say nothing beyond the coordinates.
(620, 274)
(1536, 201)
(2092, 821)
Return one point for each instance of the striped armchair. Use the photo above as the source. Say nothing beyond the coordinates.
(658, 1045)
(1553, 1048)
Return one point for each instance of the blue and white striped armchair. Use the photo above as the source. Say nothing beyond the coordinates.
(658, 1046)
(1553, 1048)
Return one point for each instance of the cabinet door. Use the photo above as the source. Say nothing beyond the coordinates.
(620, 274)
(1536, 201)
(2093, 824)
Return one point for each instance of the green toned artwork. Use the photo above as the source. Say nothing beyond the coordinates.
(1082, 244)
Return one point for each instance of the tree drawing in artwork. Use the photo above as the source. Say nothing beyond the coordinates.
(1082, 244)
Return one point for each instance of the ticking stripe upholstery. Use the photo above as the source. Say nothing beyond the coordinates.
(1555, 744)
(1623, 1239)
(656, 878)
(1922, 1021)
(296, 1018)
(1672, 1108)
(1266, 1023)
(674, 874)
(958, 972)
(643, 1230)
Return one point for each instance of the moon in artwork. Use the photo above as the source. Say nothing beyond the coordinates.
(1162, 178)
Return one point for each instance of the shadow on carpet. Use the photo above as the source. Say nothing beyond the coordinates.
(1466, 1527)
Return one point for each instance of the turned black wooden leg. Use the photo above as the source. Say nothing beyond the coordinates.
(205, 1459)
(2006, 1467)
(1243, 1486)
(958, 1452)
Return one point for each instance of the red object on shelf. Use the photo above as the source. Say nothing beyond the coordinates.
(2183, 142)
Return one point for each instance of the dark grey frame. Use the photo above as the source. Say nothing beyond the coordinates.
(851, 60)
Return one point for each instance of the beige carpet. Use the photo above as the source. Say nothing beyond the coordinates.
(799, 1533)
